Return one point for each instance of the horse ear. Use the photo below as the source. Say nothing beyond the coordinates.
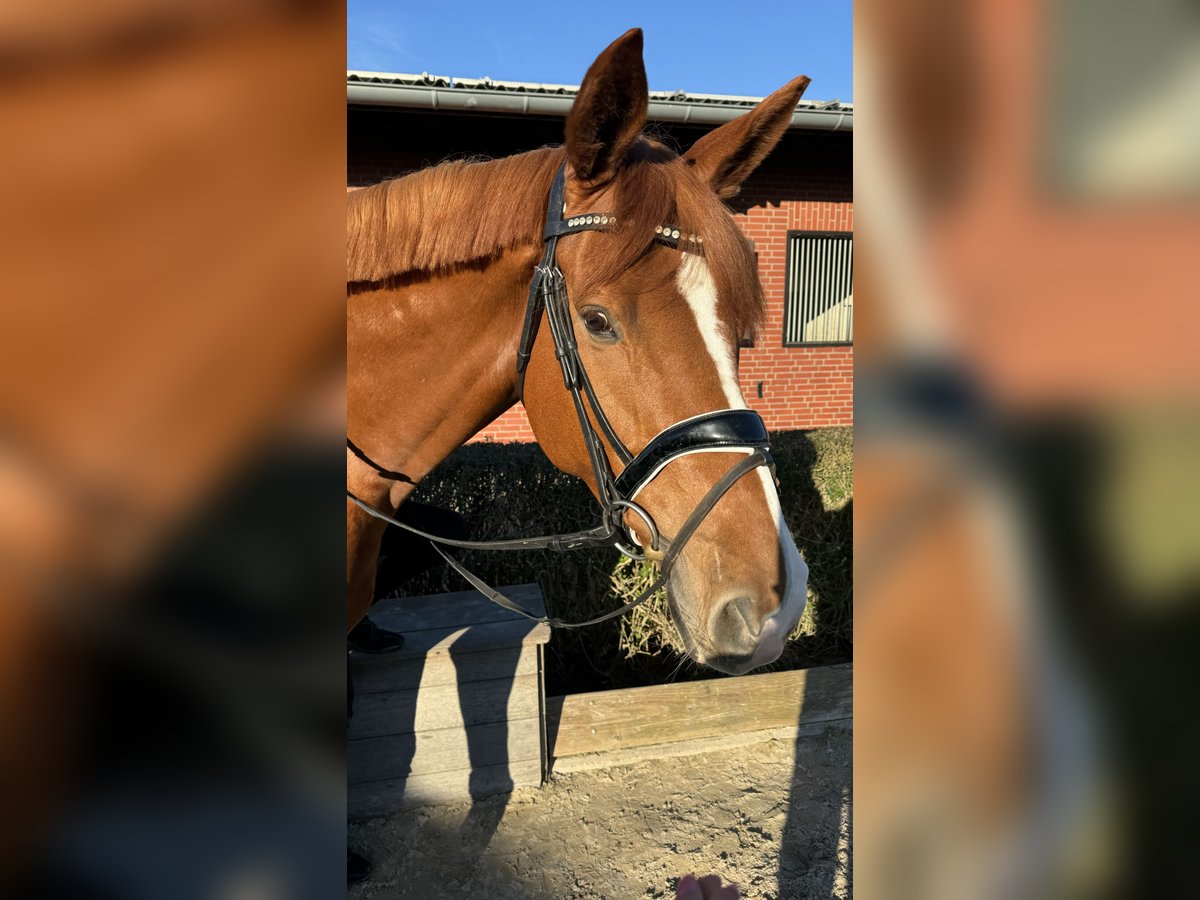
(726, 156)
(609, 110)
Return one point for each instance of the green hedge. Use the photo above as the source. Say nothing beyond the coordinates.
(507, 490)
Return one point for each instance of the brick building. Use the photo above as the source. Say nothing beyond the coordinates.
(797, 209)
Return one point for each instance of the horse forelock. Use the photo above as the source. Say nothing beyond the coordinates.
(658, 187)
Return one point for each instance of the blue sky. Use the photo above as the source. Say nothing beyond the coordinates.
(687, 46)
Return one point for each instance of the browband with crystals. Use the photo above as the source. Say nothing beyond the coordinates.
(663, 234)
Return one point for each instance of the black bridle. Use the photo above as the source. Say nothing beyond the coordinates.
(728, 430)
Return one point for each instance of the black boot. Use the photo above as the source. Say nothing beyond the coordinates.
(367, 637)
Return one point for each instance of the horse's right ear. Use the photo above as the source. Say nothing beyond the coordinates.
(609, 110)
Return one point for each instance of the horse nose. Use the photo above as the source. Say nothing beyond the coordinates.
(736, 626)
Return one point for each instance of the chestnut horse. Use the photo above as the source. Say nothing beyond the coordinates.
(439, 265)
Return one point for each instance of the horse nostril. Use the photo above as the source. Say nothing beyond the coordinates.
(747, 609)
(737, 623)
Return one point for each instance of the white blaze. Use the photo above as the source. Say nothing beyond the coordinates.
(696, 284)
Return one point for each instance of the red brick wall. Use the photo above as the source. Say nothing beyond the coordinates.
(512, 426)
(802, 387)
(806, 184)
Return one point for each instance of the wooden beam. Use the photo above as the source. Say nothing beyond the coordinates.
(381, 798)
(398, 756)
(445, 706)
(698, 710)
(452, 610)
(386, 672)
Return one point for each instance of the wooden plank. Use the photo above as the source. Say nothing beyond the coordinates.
(381, 798)
(445, 750)
(624, 756)
(455, 608)
(386, 672)
(445, 706)
(692, 711)
(453, 640)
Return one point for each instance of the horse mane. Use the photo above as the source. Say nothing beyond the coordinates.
(460, 212)
(451, 214)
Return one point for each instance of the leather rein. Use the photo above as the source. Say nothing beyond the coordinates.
(732, 430)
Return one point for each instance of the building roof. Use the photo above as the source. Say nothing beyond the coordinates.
(483, 95)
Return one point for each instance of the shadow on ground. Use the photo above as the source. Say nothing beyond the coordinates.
(631, 831)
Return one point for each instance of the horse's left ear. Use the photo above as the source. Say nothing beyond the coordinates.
(726, 157)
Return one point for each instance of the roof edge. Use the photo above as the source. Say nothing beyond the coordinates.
(427, 91)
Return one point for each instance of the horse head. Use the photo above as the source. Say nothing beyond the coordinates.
(659, 329)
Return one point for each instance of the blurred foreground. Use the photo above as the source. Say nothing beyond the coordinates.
(171, 663)
(171, 654)
(1028, 200)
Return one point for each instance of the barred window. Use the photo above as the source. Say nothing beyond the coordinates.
(819, 292)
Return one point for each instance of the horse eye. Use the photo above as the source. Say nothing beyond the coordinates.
(597, 321)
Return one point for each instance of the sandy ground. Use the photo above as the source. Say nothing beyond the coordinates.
(773, 817)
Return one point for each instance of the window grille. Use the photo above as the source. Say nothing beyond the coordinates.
(819, 293)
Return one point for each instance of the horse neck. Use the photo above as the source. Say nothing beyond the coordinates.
(432, 361)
